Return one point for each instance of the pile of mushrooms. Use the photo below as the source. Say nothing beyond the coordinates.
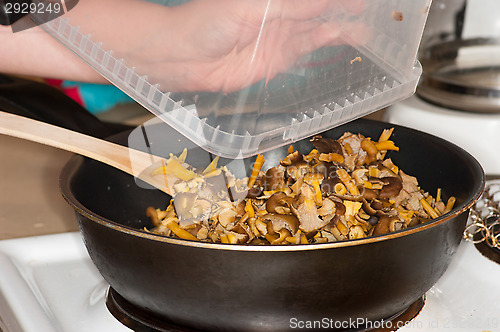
(343, 189)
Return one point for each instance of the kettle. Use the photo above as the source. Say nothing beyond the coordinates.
(460, 55)
(461, 19)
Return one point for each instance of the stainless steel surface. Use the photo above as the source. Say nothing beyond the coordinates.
(485, 217)
(463, 75)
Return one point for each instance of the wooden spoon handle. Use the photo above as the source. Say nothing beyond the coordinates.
(129, 160)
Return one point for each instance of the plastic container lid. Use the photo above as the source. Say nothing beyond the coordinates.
(328, 87)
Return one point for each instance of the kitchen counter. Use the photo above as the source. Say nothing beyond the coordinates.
(30, 201)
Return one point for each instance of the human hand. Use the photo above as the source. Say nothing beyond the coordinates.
(226, 45)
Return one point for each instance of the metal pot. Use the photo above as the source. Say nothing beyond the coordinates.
(227, 287)
(462, 75)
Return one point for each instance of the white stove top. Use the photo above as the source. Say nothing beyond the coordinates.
(477, 133)
(48, 283)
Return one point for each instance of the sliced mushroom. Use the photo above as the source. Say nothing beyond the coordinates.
(236, 194)
(368, 208)
(279, 237)
(392, 188)
(274, 178)
(370, 194)
(227, 216)
(298, 170)
(243, 229)
(359, 175)
(274, 201)
(386, 172)
(340, 208)
(308, 216)
(280, 221)
(183, 203)
(384, 224)
(152, 214)
(395, 225)
(326, 145)
(328, 185)
(328, 207)
(371, 150)
(293, 158)
(254, 192)
(356, 232)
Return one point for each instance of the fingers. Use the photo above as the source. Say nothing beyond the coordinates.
(353, 7)
(309, 41)
(294, 9)
(303, 10)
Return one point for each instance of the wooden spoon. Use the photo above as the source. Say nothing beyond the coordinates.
(131, 161)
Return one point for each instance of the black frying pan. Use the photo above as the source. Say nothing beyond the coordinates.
(234, 287)
(226, 287)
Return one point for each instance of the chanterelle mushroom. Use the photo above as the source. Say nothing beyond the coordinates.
(307, 213)
(343, 189)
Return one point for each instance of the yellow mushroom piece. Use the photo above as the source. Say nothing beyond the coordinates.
(373, 171)
(279, 237)
(255, 170)
(386, 145)
(314, 179)
(331, 157)
(450, 204)
(342, 228)
(175, 168)
(177, 230)
(370, 149)
(228, 238)
(390, 165)
(429, 209)
(348, 182)
(318, 197)
(348, 148)
(311, 155)
(340, 189)
(297, 238)
(337, 234)
(249, 209)
(386, 133)
(356, 232)
(212, 166)
(351, 207)
(438, 195)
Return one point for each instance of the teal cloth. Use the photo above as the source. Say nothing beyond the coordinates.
(98, 98)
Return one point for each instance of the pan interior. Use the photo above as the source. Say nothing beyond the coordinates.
(106, 193)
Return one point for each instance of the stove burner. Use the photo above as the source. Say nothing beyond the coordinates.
(406, 316)
(137, 319)
(140, 320)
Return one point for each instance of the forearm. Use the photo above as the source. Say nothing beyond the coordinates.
(117, 23)
(222, 45)
(34, 52)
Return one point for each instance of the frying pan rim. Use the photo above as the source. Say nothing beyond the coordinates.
(72, 165)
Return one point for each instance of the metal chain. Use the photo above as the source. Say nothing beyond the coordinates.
(484, 217)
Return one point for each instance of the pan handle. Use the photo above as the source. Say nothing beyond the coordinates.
(45, 103)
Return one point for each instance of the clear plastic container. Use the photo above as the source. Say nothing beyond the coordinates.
(372, 65)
